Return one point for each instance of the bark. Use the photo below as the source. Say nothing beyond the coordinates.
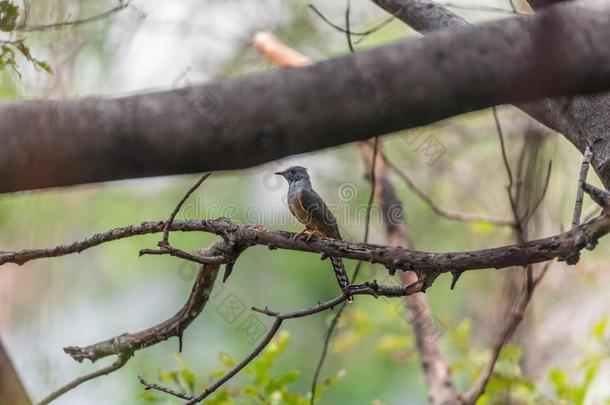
(239, 123)
(584, 121)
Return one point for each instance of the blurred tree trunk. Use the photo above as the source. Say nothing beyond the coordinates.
(11, 389)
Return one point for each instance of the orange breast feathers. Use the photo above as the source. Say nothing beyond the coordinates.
(300, 213)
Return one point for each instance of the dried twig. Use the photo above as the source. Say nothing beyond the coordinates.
(279, 319)
(515, 316)
(165, 241)
(444, 212)
(65, 24)
(584, 169)
(120, 362)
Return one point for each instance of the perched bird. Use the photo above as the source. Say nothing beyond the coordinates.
(309, 208)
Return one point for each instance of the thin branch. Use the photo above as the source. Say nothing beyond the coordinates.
(150, 386)
(531, 211)
(172, 251)
(482, 8)
(444, 212)
(593, 211)
(129, 343)
(515, 317)
(512, 5)
(120, 362)
(345, 30)
(584, 169)
(279, 319)
(59, 25)
(165, 241)
(348, 34)
(517, 221)
(516, 314)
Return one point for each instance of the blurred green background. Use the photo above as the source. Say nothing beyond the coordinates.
(559, 354)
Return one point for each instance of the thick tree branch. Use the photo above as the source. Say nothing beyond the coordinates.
(216, 126)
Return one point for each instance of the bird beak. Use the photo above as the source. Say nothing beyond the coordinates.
(280, 174)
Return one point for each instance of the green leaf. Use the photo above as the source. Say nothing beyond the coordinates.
(8, 16)
(226, 360)
(44, 66)
(599, 330)
(280, 382)
(189, 378)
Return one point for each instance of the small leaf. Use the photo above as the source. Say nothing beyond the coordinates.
(44, 66)
(226, 360)
(599, 330)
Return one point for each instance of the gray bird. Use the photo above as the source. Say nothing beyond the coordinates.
(311, 210)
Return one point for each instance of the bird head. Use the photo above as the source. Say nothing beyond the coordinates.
(294, 173)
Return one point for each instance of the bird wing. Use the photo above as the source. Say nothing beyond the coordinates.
(319, 212)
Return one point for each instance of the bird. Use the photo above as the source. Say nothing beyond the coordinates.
(311, 210)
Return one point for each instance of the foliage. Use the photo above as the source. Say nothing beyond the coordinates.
(264, 385)
(9, 49)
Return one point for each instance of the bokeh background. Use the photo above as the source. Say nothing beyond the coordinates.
(80, 299)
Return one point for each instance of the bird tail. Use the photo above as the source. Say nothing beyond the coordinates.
(340, 273)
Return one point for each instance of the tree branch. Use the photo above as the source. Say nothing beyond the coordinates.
(73, 23)
(535, 251)
(216, 126)
(128, 343)
(120, 362)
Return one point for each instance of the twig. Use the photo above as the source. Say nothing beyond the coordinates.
(482, 8)
(593, 211)
(531, 211)
(515, 317)
(516, 314)
(447, 213)
(279, 319)
(131, 342)
(509, 188)
(512, 5)
(45, 27)
(172, 251)
(150, 386)
(353, 33)
(348, 34)
(120, 362)
(165, 241)
(584, 169)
